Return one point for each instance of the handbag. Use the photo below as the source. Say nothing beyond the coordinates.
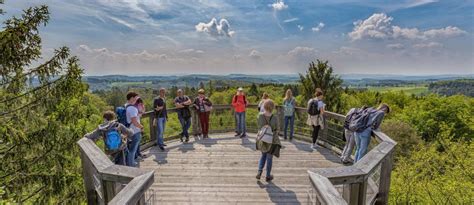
(266, 134)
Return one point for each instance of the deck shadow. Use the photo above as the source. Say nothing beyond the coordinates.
(274, 192)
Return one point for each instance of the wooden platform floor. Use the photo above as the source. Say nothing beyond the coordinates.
(222, 169)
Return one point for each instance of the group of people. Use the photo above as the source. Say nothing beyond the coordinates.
(122, 130)
(122, 136)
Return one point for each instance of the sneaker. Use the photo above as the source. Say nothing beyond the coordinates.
(162, 148)
(187, 139)
(164, 145)
(259, 174)
(140, 159)
(269, 178)
(237, 134)
(243, 135)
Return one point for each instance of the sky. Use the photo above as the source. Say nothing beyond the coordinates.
(164, 37)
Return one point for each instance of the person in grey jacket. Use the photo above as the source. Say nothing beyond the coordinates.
(268, 120)
(350, 142)
(118, 157)
(362, 139)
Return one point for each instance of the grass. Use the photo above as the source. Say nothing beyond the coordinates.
(416, 90)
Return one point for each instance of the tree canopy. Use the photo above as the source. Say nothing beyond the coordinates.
(43, 112)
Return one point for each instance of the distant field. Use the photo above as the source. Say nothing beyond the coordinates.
(417, 90)
(119, 84)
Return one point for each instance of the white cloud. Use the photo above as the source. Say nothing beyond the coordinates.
(302, 53)
(318, 27)
(256, 55)
(419, 3)
(429, 45)
(215, 29)
(290, 20)
(396, 46)
(279, 5)
(300, 27)
(122, 22)
(376, 26)
(379, 26)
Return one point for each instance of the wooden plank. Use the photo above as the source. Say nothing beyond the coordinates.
(375, 156)
(385, 176)
(97, 157)
(135, 190)
(341, 175)
(121, 174)
(325, 190)
(383, 137)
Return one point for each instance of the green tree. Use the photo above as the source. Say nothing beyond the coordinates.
(320, 75)
(431, 176)
(254, 91)
(43, 112)
(427, 114)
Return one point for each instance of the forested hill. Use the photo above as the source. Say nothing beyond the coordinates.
(194, 80)
(453, 87)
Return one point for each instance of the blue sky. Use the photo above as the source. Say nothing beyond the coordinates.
(141, 37)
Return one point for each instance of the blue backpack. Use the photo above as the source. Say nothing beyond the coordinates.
(113, 140)
(122, 115)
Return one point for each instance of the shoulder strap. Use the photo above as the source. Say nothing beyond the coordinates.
(269, 120)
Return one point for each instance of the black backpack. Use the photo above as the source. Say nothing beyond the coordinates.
(313, 108)
(360, 120)
(351, 115)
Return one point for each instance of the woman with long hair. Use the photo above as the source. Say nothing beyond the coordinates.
(289, 104)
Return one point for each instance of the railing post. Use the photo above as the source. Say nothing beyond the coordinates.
(385, 175)
(281, 119)
(195, 122)
(153, 136)
(362, 198)
(87, 174)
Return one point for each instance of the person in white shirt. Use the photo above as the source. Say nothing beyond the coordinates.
(315, 115)
(133, 118)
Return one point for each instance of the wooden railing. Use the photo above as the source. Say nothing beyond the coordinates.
(365, 182)
(107, 183)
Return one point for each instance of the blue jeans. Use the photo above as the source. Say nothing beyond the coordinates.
(268, 158)
(160, 130)
(133, 149)
(289, 120)
(362, 140)
(185, 124)
(240, 119)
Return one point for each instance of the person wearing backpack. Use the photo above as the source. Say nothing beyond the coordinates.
(239, 102)
(182, 103)
(267, 141)
(161, 116)
(203, 106)
(133, 119)
(349, 135)
(315, 115)
(265, 97)
(372, 119)
(289, 104)
(115, 137)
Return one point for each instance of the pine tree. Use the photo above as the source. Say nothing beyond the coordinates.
(42, 114)
(321, 75)
(253, 90)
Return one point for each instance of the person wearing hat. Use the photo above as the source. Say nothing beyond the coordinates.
(203, 106)
(239, 102)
